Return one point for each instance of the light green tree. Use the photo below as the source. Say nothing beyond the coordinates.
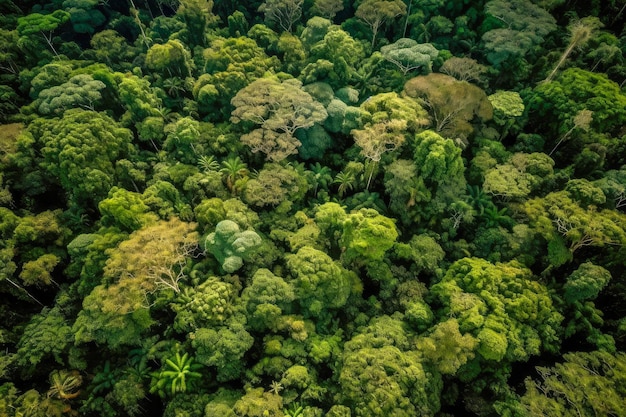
(44, 24)
(375, 13)
(586, 383)
(230, 245)
(283, 13)
(279, 109)
(408, 55)
(79, 91)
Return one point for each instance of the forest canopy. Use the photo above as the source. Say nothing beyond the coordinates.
(312, 208)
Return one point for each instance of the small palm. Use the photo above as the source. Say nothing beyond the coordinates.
(208, 163)
(322, 176)
(179, 375)
(233, 169)
(64, 384)
(346, 181)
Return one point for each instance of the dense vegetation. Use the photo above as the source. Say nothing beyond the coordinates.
(312, 208)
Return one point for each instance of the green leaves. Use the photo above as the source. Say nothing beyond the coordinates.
(178, 375)
(279, 109)
(377, 12)
(586, 282)
(230, 246)
(319, 282)
(564, 388)
(502, 305)
(408, 55)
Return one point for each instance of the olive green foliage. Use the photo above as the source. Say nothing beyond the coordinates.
(367, 235)
(312, 208)
(47, 335)
(381, 376)
(206, 305)
(319, 282)
(452, 103)
(375, 13)
(79, 91)
(486, 300)
(561, 390)
(521, 26)
(408, 55)
(576, 89)
(266, 299)
(223, 348)
(79, 149)
(279, 109)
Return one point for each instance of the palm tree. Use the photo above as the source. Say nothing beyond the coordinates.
(233, 170)
(322, 177)
(64, 384)
(179, 375)
(346, 181)
(580, 32)
(174, 86)
(208, 163)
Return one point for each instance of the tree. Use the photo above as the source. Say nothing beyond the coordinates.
(230, 65)
(580, 32)
(382, 376)
(319, 282)
(560, 218)
(275, 185)
(446, 347)
(43, 24)
(524, 25)
(440, 167)
(207, 305)
(80, 91)
(408, 55)
(586, 282)
(138, 98)
(109, 47)
(453, 104)
(172, 57)
(279, 109)
(154, 257)
(582, 121)
(46, 336)
(230, 246)
(334, 59)
(575, 90)
(113, 317)
(586, 383)
(178, 374)
(405, 189)
(393, 108)
(266, 299)
(84, 16)
(522, 174)
(464, 69)
(375, 13)
(234, 172)
(508, 106)
(223, 347)
(367, 235)
(79, 149)
(197, 15)
(510, 313)
(284, 13)
(328, 8)
(379, 138)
